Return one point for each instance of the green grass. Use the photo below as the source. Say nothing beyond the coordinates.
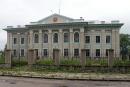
(2, 59)
(47, 61)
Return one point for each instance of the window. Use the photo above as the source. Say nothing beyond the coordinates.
(66, 52)
(14, 53)
(22, 52)
(45, 52)
(107, 50)
(36, 38)
(87, 52)
(45, 38)
(97, 39)
(108, 39)
(76, 37)
(55, 38)
(66, 37)
(36, 50)
(87, 39)
(15, 40)
(22, 40)
(76, 52)
(97, 52)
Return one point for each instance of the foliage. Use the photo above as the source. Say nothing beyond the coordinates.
(70, 62)
(47, 61)
(19, 63)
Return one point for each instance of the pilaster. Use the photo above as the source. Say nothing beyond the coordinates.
(40, 44)
(71, 43)
(50, 43)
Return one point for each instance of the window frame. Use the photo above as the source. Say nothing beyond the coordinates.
(76, 38)
(98, 40)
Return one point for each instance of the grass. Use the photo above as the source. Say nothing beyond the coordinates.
(2, 59)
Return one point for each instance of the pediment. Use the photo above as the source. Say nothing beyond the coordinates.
(55, 18)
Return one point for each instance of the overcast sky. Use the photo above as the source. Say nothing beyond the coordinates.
(21, 12)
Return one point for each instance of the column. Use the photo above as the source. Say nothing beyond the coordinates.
(103, 41)
(71, 43)
(31, 39)
(60, 42)
(117, 44)
(113, 41)
(92, 44)
(82, 40)
(9, 40)
(50, 43)
(40, 44)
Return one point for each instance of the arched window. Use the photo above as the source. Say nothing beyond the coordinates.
(66, 37)
(55, 38)
(76, 37)
(45, 38)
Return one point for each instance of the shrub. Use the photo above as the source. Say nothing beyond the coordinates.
(45, 62)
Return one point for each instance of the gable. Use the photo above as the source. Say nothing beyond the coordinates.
(55, 18)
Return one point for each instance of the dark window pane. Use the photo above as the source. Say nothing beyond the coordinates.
(14, 53)
(55, 38)
(45, 52)
(22, 52)
(97, 39)
(66, 37)
(87, 52)
(108, 39)
(22, 40)
(66, 52)
(36, 37)
(87, 39)
(15, 40)
(45, 38)
(76, 52)
(97, 52)
(76, 37)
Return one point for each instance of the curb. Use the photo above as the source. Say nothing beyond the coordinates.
(55, 78)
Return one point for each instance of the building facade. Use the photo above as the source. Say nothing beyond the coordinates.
(68, 35)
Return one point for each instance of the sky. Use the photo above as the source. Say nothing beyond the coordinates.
(22, 12)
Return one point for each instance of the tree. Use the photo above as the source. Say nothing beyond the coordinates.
(124, 45)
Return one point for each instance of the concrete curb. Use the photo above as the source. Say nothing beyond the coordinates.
(86, 79)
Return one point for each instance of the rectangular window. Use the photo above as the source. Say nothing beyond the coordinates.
(87, 52)
(107, 50)
(15, 40)
(108, 39)
(87, 39)
(14, 53)
(22, 40)
(45, 52)
(66, 52)
(36, 37)
(97, 52)
(22, 52)
(76, 52)
(97, 39)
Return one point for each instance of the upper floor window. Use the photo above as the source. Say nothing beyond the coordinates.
(76, 37)
(87, 39)
(97, 39)
(45, 37)
(108, 39)
(36, 37)
(15, 40)
(66, 37)
(55, 38)
(22, 40)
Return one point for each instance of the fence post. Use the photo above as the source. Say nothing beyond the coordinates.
(31, 57)
(83, 57)
(8, 59)
(56, 56)
(110, 57)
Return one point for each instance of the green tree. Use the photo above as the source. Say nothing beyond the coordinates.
(124, 45)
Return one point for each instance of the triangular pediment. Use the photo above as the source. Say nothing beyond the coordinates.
(54, 18)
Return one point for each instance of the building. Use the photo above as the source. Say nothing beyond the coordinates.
(66, 34)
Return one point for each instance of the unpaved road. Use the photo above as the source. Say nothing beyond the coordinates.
(33, 82)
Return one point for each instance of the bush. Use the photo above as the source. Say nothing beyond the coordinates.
(70, 62)
(45, 61)
(19, 63)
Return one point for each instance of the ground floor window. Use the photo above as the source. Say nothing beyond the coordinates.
(22, 52)
(97, 52)
(76, 52)
(14, 52)
(36, 50)
(45, 52)
(87, 52)
(107, 50)
(66, 52)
